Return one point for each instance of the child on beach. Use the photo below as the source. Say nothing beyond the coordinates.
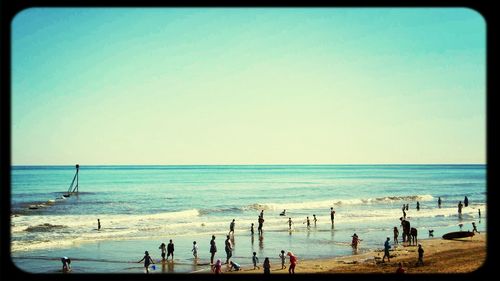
(217, 267)
(387, 246)
(283, 257)
(170, 250)
(308, 223)
(234, 266)
(420, 255)
(475, 228)
(163, 250)
(314, 219)
(195, 250)
(293, 262)
(66, 264)
(267, 266)
(147, 261)
(255, 260)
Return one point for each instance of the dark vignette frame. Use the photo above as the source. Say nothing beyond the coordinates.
(9, 9)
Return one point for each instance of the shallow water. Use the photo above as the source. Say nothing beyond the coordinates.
(142, 206)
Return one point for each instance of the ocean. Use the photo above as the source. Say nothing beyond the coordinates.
(140, 207)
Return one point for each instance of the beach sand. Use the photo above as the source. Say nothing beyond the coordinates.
(440, 256)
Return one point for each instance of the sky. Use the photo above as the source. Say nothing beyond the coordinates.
(181, 86)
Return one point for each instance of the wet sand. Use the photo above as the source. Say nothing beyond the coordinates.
(440, 256)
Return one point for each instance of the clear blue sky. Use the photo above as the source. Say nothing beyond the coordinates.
(248, 86)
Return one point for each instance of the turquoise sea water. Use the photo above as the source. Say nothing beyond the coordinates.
(142, 206)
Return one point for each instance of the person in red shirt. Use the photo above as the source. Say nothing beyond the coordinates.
(400, 269)
(293, 262)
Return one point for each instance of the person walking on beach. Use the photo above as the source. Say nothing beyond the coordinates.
(418, 206)
(466, 201)
(315, 220)
(396, 234)
(255, 260)
(439, 202)
(66, 264)
(98, 224)
(195, 250)
(147, 261)
(213, 249)
(170, 250)
(387, 246)
(231, 228)
(282, 257)
(290, 223)
(332, 215)
(475, 228)
(267, 266)
(251, 229)
(293, 262)
(229, 249)
(460, 206)
(420, 255)
(400, 269)
(163, 250)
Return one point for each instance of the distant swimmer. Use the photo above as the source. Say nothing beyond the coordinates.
(466, 201)
(195, 250)
(98, 224)
(439, 202)
(283, 213)
(163, 248)
(66, 264)
(170, 250)
(290, 223)
(315, 220)
(332, 215)
(231, 228)
(213, 249)
(418, 206)
(147, 261)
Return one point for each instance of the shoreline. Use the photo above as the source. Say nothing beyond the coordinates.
(440, 256)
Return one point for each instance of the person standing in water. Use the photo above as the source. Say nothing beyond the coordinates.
(466, 201)
(261, 224)
(251, 229)
(195, 250)
(228, 249)
(290, 223)
(231, 228)
(213, 249)
(98, 224)
(147, 261)
(418, 206)
(308, 223)
(396, 234)
(66, 264)
(439, 202)
(170, 250)
(479, 210)
(163, 250)
(315, 220)
(332, 215)
(460, 206)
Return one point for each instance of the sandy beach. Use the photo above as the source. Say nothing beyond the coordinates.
(440, 256)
